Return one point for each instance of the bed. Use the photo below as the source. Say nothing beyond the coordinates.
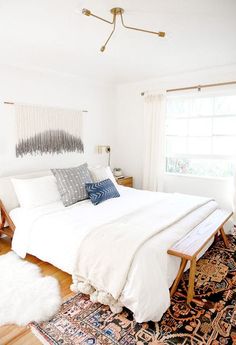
(54, 234)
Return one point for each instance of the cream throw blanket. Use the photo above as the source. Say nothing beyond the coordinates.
(106, 253)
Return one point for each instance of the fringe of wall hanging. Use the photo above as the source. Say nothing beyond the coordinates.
(48, 130)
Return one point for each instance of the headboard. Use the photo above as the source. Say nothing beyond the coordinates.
(7, 192)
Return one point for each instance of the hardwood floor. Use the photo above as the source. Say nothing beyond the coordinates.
(14, 335)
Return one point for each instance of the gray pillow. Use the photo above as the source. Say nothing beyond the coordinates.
(71, 183)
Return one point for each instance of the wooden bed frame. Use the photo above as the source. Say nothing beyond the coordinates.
(6, 219)
(187, 248)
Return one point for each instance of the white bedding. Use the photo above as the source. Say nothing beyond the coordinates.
(53, 233)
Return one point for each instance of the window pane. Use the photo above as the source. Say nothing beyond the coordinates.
(203, 106)
(200, 127)
(224, 145)
(176, 145)
(200, 167)
(179, 107)
(176, 127)
(199, 145)
(224, 126)
(225, 105)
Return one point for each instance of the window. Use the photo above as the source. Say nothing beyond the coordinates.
(201, 135)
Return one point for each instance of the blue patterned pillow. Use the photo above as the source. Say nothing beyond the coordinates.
(101, 191)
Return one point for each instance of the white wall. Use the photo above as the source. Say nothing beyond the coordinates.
(53, 89)
(128, 150)
(114, 117)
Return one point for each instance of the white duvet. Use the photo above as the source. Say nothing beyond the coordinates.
(54, 233)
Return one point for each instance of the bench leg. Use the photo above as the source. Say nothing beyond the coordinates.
(191, 280)
(179, 275)
(224, 237)
(216, 236)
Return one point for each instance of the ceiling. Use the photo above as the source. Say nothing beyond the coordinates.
(54, 35)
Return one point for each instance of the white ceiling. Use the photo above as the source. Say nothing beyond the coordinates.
(54, 35)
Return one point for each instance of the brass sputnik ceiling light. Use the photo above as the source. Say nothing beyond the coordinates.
(117, 11)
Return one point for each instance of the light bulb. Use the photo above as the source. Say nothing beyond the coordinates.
(86, 12)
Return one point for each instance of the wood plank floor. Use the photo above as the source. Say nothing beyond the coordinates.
(14, 335)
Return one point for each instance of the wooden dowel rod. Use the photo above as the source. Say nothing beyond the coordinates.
(198, 87)
(12, 103)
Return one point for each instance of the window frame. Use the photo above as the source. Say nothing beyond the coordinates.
(231, 157)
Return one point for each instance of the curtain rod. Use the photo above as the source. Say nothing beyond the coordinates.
(12, 103)
(198, 87)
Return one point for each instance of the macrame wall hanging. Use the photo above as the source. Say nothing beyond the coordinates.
(48, 130)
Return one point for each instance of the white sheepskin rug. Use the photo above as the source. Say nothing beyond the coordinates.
(25, 295)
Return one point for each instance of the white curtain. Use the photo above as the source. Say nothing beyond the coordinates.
(154, 142)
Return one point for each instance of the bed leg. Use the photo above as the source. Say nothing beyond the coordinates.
(2, 220)
(179, 275)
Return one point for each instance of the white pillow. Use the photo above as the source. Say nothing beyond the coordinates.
(100, 173)
(36, 191)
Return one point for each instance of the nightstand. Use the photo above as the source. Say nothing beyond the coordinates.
(125, 181)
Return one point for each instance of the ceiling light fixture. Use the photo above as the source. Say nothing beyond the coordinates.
(117, 11)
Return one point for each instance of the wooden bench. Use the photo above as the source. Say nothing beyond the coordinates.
(191, 245)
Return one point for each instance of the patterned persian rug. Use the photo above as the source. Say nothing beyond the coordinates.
(210, 319)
